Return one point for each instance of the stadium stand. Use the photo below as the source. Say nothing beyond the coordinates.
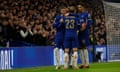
(31, 21)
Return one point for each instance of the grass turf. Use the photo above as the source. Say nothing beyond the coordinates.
(94, 67)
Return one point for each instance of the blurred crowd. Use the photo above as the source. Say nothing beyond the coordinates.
(99, 27)
(31, 20)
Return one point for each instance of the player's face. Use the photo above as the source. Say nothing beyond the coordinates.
(63, 11)
(80, 8)
(67, 10)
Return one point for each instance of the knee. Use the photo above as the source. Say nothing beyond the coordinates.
(75, 49)
(66, 50)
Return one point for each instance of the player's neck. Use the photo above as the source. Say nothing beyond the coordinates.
(67, 14)
(82, 11)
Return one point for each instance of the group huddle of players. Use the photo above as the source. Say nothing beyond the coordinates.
(72, 35)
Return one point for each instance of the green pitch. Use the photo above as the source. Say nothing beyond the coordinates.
(94, 67)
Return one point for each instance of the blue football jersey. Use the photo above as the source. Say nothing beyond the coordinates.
(58, 25)
(71, 24)
(83, 36)
(85, 18)
(59, 38)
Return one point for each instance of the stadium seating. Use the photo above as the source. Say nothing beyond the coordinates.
(34, 16)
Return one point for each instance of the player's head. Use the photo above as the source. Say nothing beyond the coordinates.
(71, 9)
(81, 7)
(63, 10)
(67, 9)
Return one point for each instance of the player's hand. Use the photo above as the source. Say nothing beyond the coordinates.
(83, 27)
(61, 20)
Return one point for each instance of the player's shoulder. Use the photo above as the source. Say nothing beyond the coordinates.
(73, 14)
(87, 13)
(70, 15)
(58, 16)
(79, 15)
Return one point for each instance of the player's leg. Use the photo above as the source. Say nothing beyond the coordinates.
(71, 59)
(85, 51)
(82, 58)
(75, 53)
(61, 54)
(67, 45)
(81, 52)
(75, 58)
(87, 43)
(57, 54)
(66, 58)
(57, 57)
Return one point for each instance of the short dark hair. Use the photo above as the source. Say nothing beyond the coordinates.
(61, 7)
(82, 4)
(71, 8)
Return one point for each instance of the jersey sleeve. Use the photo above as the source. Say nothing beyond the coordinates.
(78, 23)
(81, 21)
(89, 20)
(56, 23)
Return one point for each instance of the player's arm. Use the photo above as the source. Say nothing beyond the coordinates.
(83, 27)
(78, 24)
(86, 23)
(89, 20)
(82, 24)
(57, 22)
